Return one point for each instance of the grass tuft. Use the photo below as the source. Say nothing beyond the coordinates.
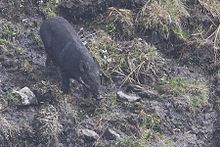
(163, 17)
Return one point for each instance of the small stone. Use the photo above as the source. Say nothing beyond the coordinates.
(111, 134)
(89, 135)
(130, 98)
(27, 96)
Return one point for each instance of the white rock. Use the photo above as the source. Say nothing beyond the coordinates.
(90, 134)
(130, 98)
(27, 96)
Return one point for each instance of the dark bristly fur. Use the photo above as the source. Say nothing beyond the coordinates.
(64, 47)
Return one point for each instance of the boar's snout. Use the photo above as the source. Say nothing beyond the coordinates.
(91, 77)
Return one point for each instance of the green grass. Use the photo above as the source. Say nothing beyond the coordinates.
(195, 91)
(10, 95)
(113, 100)
(148, 138)
(150, 121)
(4, 42)
(10, 30)
(18, 50)
(149, 134)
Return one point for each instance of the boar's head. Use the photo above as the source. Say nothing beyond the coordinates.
(90, 76)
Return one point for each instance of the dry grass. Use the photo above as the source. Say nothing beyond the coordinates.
(212, 6)
(7, 130)
(49, 125)
(117, 22)
(130, 61)
(213, 9)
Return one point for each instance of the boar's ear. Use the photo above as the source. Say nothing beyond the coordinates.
(82, 67)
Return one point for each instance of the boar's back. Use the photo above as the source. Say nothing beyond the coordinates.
(57, 35)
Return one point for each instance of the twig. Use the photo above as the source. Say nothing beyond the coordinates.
(128, 76)
(216, 35)
(215, 43)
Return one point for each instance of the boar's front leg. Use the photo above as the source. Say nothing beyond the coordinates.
(49, 67)
(48, 62)
(65, 83)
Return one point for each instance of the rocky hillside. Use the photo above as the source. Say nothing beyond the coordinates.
(159, 61)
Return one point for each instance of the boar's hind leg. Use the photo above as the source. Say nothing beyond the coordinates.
(65, 83)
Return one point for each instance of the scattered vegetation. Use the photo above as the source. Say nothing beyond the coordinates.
(195, 91)
(18, 50)
(26, 66)
(8, 131)
(149, 135)
(49, 125)
(129, 61)
(212, 6)
(119, 23)
(112, 102)
(11, 98)
(125, 60)
(49, 8)
(10, 31)
(4, 42)
(9, 34)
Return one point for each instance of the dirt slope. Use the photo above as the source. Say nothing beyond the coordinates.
(164, 52)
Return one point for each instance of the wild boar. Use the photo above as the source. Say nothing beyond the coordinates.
(65, 49)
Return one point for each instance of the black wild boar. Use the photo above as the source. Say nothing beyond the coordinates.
(64, 47)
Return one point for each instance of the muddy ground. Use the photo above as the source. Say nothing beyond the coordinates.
(165, 54)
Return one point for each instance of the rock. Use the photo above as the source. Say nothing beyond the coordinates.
(111, 134)
(27, 96)
(89, 135)
(123, 96)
